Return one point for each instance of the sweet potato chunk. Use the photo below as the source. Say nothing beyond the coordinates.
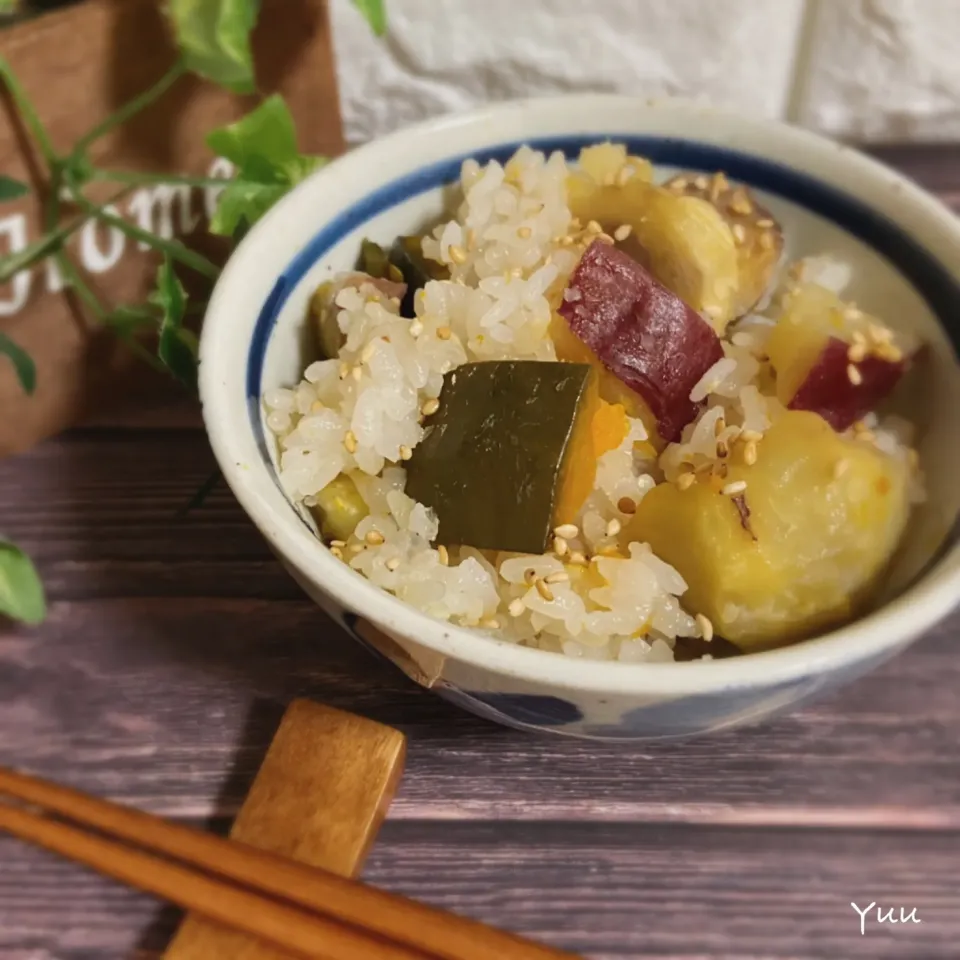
(640, 332)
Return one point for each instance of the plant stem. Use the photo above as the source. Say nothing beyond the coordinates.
(134, 178)
(29, 114)
(130, 109)
(177, 250)
(72, 278)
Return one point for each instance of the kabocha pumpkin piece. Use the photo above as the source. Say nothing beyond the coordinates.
(788, 546)
(832, 358)
(641, 333)
(509, 455)
(339, 508)
(756, 234)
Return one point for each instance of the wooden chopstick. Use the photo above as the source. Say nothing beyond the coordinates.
(345, 905)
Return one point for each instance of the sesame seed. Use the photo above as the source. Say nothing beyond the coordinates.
(606, 238)
(766, 241)
(852, 313)
(626, 505)
(679, 184)
(316, 406)
(879, 334)
(357, 374)
(719, 425)
(516, 608)
(686, 480)
(561, 576)
(751, 435)
(405, 452)
(430, 407)
(889, 352)
(577, 558)
(374, 538)
(594, 227)
(338, 543)
(393, 563)
(337, 552)
(357, 547)
(732, 489)
(867, 436)
(444, 332)
(343, 371)
(471, 237)
(613, 527)
(395, 303)
(739, 233)
(722, 448)
(566, 241)
(840, 468)
(491, 623)
(706, 627)
(626, 173)
(765, 223)
(543, 590)
(560, 546)
(608, 551)
(701, 182)
(622, 232)
(368, 351)
(857, 353)
(717, 185)
(722, 471)
(567, 530)
(524, 233)
(416, 328)
(443, 555)
(529, 575)
(854, 375)
(458, 254)
(350, 441)
(741, 204)
(750, 453)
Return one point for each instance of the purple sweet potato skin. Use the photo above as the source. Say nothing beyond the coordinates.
(827, 388)
(642, 333)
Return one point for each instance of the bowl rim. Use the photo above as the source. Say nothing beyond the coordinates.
(891, 627)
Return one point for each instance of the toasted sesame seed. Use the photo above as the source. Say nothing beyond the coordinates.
(722, 471)
(608, 551)
(879, 334)
(722, 448)
(567, 530)
(316, 406)
(766, 241)
(374, 538)
(516, 607)
(338, 543)
(718, 184)
(444, 332)
(719, 425)
(416, 328)
(430, 407)
(458, 254)
(368, 351)
(393, 563)
(337, 552)
(577, 558)
(686, 480)
(627, 505)
(840, 468)
(854, 375)
(594, 227)
(889, 352)
(529, 575)
(350, 441)
(739, 233)
(741, 203)
(765, 223)
(357, 373)
(732, 489)
(679, 184)
(560, 546)
(622, 232)
(857, 352)
(751, 435)
(701, 182)
(524, 233)
(613, 527)
(543, 590)
(606, 238)
(750, 453)
(706, 627)
(561, 576)
(852, 313)
(490, 623)
(343, 371)
(471, 237)
(405, 452)
(566, 241)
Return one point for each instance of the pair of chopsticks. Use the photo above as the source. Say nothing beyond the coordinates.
(307, 912)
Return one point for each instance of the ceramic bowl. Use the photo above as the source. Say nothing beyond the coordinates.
(905, 248)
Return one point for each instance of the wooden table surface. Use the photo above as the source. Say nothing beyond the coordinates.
(174, 643)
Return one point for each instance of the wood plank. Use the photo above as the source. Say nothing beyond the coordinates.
(605, 890)
(171, 705)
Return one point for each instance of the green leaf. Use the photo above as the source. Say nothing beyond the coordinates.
(260, 143)
(301, 166)
(21, 592)
(375, 13)
(22, 363)
(10, 189)
(177, 347)
(244, 202)
(214, 39)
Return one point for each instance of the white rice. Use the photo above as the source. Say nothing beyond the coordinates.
(360, 413)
